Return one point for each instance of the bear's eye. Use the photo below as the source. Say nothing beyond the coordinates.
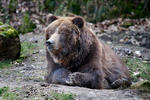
(47, 36)
(61, 32)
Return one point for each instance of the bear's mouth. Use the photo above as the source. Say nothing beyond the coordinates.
(55, 51)
(50, 47)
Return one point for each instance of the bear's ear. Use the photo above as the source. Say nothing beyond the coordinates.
(51, 18)
(78, 21)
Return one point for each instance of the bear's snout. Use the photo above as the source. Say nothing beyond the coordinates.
(50, 44)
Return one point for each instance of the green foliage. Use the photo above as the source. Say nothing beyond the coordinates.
(3, 90)
(98, 10)
(27, 25)
(1, 23)
(5, 94)
(12, 5)
(7, 31)
(138, 69)
(27, 48)
(5, 64)
(5, 17)
(92, 10)
(61, 96)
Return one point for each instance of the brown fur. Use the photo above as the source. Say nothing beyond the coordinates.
(86, 62)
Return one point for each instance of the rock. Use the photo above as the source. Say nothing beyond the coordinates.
(125, 40)
(9, 48)
(137, 53)
(136, 73)
(146, 56)
(9, 42)
(134, 41)
(146, 42)
(127, 24)
(123, 51)
(105, 37)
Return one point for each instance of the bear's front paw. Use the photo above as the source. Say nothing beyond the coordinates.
(74, 79)
(119, 83)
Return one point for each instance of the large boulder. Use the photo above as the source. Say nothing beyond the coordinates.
(9, 42)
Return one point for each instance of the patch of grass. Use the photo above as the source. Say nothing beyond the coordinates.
(5, 64)
(27, 48)
(27, 25)
(3, 90)
(61, 96)
(138, 69)
(5, 94)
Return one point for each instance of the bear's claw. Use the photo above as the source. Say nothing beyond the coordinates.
(74, 79)
(119, 83)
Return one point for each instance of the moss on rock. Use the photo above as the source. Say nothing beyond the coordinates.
(7, 31)
(9, 41)
(1, 23)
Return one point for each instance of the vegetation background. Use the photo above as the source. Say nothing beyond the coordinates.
(92, 10)
(99, 10)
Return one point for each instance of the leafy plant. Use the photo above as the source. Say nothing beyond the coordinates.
(5, 64)
(27, 25)
(27, 48)
(3, 90)
(5, 94)
(61, 96)
(12, 5)
(138, 69)
(98, 10)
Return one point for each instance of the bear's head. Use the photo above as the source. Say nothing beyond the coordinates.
(63, 38)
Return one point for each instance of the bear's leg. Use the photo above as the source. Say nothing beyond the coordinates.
(118, 78)
(84, 80)
(60, 75)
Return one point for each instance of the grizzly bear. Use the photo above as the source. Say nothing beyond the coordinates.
(76, 57)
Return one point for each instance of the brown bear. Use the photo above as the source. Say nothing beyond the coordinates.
(76, 57)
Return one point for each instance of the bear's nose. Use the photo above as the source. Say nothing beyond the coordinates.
(48, 43)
